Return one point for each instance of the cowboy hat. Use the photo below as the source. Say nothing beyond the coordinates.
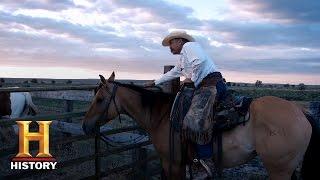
(176, 34)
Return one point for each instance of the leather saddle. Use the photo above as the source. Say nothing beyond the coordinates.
(228, 113)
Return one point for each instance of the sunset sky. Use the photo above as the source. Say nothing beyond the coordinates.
(276, 41)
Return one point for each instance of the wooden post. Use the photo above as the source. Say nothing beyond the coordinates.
(97, 159)
(68, 107)
(138, 155)
(173, 85)
(135, 156)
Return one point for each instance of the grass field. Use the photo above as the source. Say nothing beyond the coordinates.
(288, 94)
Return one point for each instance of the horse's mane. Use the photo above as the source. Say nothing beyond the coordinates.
(148, 97)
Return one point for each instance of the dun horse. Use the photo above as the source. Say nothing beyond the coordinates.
(278, 130)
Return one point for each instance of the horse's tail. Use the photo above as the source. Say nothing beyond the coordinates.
(311, 159)
(31, 107)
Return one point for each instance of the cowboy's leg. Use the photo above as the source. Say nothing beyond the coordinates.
(221, 90)
(205, 151)
(198, 120)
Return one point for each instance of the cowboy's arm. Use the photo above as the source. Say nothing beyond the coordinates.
(195, 55)
(173, 73)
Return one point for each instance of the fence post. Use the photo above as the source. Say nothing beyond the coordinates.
(97, 159)
(173, 85)
(68, 107)
(138, 154)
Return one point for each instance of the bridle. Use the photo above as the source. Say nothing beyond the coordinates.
(112, 98)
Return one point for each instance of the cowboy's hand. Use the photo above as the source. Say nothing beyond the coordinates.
(149, 83)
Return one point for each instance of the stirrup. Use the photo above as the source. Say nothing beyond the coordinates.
(206, 167)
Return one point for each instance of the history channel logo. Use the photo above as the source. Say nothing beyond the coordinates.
(24, 160)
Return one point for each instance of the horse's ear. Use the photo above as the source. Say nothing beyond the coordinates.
(112, 76)
(102, 79)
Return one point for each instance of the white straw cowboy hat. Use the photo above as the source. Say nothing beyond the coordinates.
(177, 34)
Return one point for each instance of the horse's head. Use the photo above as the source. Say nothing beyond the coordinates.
(5, 104)
(104, 107)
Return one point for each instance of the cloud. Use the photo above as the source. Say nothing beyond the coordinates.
(163, 12)
(287, 10)
(285, 66)
(38, 4)
(123, 35)
(262, 34)
(44, 32)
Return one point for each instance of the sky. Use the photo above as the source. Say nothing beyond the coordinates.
(275, 41)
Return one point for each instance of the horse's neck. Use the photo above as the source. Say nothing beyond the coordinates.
(147, 118)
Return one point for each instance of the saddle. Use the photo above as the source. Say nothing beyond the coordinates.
(228, 114)
(231, 112)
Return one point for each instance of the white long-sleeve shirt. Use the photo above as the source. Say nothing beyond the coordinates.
(194, 63)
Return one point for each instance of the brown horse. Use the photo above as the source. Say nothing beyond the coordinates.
(278, 131)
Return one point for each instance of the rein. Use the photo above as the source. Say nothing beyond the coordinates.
(184, 144)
